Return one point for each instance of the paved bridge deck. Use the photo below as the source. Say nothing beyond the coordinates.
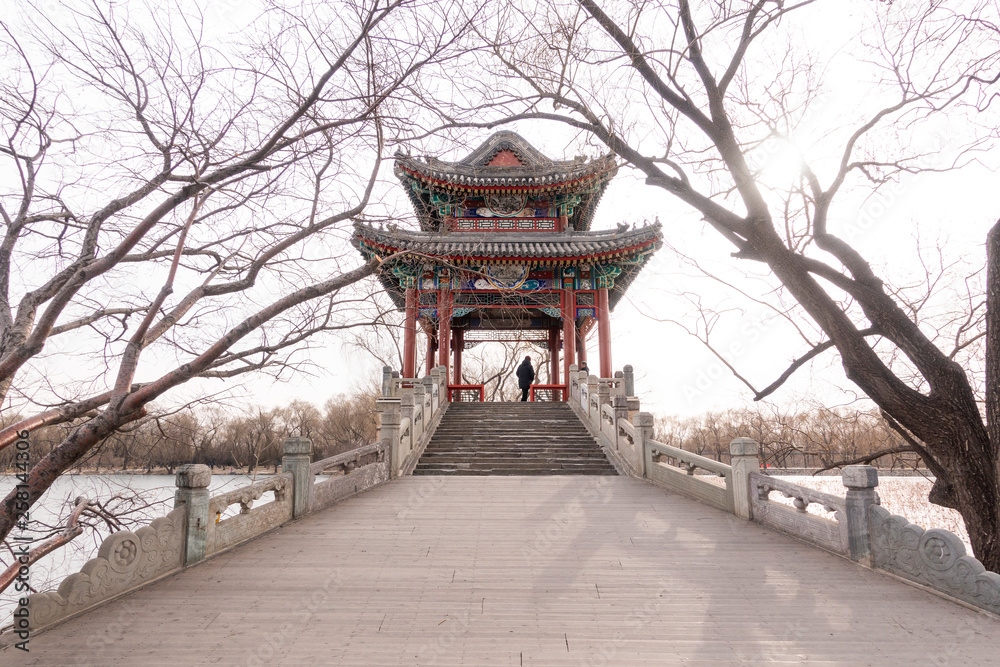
(523, 571)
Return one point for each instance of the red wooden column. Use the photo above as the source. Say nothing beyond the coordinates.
(569, 332)
(430, 351)
(581, 346)
(444, 328)
(604, 331)
(410, 334)
(553, 355)
(459, 346)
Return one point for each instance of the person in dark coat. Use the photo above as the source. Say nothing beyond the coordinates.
(525, 376)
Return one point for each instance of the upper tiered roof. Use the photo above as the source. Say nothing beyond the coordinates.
(504, 164)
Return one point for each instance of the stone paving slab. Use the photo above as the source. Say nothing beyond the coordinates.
(523, 571)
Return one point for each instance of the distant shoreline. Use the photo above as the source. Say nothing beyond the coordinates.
(221, 470)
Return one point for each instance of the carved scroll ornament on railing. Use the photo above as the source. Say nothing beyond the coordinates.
(246, 495)
(125, 560)
(251, 521)
(342, 464)
(934, 558)
(607, 415)
(351, 472)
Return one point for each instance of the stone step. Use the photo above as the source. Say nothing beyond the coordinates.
(512, 439)
(433, 471)
(513, 459)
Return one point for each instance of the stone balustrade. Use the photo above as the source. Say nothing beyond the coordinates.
(200, 525)
(829, 532)
(852, 525)
(409, 416)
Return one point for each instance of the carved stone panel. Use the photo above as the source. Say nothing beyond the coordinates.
(827, 533)
(934, 557)
(125, 561)
(335, 489)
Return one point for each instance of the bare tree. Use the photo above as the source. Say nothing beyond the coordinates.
(687, 94)
(188, 220)
(348, 422)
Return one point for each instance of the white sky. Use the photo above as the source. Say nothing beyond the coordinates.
(675, 373)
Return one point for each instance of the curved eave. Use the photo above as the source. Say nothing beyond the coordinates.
(384, 249)
(479, 183)
(580, 220)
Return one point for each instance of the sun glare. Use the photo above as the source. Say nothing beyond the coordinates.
(783, 165)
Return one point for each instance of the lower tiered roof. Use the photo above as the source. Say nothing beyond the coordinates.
(624, 251)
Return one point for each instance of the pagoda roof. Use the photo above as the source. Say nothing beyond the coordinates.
(506, 163)
(563, 248)
(628, 247)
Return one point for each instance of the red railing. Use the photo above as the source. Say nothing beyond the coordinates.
(466, 393)
(548, 392)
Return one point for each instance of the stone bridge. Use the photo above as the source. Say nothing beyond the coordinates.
(677, 559)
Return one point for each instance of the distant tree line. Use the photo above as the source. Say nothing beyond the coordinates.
(244, 439)
(811, 437)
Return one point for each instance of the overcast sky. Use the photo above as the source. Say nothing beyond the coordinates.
(676, 374)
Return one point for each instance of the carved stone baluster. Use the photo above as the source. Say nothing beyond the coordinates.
(860, 482)
(295, 459)
(744, 460)
(629, 377)
(644, 434)
(386, 381)
(390, 439)
(192, 493)
(406, 411)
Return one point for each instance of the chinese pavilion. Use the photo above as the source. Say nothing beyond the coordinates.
(505, 253)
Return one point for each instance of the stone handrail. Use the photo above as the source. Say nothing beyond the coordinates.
(197, 528)
(350, 473)
(856, 528)
(934, 558)
(407, 423)
(829, 533)
(681, 477)
(346, 462)
(225, 533)
(604, 410)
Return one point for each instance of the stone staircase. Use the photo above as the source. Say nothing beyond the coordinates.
(512, 439)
